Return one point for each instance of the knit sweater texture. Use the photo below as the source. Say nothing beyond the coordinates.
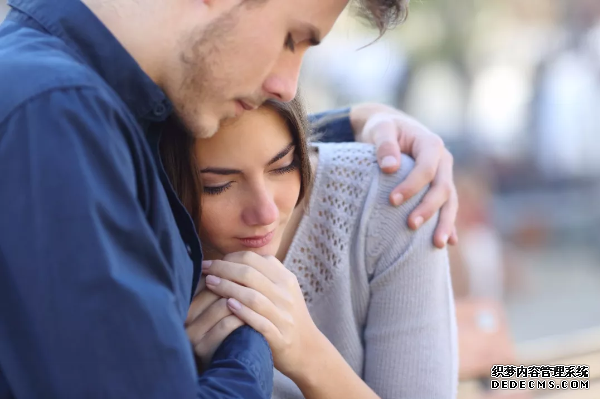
(380, 292)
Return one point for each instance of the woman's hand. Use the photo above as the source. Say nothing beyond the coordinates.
(267, 296)
(208, 323)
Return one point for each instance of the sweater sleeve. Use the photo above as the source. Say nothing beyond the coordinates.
(410, 332)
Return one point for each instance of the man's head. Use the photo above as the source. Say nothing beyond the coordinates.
(215, 58)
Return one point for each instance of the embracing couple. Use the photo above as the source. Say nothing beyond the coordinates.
(173, 225)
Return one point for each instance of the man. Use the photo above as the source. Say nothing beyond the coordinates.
(96, 272)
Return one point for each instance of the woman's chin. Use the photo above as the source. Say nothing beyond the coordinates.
(263, 251)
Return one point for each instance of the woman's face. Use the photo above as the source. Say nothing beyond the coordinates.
(251, 184)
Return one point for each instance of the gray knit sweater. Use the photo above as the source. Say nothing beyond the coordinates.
(380, 292)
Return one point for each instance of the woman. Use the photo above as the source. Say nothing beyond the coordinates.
(370, 311)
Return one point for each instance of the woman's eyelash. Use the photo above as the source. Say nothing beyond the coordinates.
(280, 171)
(216, 190)
(287, 169)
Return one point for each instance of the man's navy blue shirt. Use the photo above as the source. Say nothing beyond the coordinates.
(98, 258)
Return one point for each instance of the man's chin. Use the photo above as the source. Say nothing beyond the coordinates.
(205, 131)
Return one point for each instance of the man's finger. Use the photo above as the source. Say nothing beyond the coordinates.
(445, 227)
(435, 198)
(385, 137)
(206, 320)
(442, 194)
(426, 166)
(217, 334)
(209, 343)
(200, 303)
(453, 237)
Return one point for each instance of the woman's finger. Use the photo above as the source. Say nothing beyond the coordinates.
(249, 297)
(255, 320)
(207, 320)
(268, 266)
(262, 274)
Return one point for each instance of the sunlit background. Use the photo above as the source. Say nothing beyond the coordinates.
(513, 87)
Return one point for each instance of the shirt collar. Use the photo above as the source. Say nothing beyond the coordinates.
(83, 32)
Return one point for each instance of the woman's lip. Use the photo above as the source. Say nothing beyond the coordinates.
(257, 242)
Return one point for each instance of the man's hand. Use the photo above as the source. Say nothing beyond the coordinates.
(208, 323)
(392, 131)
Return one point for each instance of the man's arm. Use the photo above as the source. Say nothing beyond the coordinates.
(88, 308)
(393, 132)
(333, 126)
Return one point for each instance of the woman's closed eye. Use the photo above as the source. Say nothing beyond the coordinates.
(214, 190)
(286, 169)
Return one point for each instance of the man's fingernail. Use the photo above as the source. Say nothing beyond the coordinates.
(418, 221)
(206, 264)
(233, 303)
(212, 280)
(397, 198)
(388, 162)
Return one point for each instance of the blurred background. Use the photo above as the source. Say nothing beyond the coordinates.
(513, 87)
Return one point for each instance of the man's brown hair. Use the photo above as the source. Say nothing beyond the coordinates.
(384, 14)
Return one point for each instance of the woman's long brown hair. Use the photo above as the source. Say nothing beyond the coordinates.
(180, 163)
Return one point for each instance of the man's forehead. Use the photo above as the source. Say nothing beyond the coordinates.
(320, 14)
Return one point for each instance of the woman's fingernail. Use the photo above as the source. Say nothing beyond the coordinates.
(206, 264)
(445, 238)
(388, 162)
(397, 198)
(418, 222)
(234, 304)
(212, 280)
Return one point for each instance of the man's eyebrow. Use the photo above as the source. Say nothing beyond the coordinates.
(281, 154)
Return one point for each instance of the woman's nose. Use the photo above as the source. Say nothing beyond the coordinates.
(261, 211)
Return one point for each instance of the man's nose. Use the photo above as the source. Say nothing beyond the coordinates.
(262, 210)
(282, 83)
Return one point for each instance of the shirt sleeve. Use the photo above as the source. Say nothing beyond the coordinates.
(332, 126)
(410, 334)
(88, 307)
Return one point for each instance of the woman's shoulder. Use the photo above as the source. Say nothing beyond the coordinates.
(383, 227)
(358, 162)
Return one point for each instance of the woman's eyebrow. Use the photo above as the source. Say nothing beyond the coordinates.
(226, 171)
(281, 154)
(221, 171)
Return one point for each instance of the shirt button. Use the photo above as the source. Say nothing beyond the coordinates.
(189, 249)
(160, 110)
